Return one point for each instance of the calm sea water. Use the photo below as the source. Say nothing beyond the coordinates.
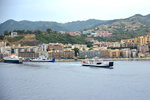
(129, 80)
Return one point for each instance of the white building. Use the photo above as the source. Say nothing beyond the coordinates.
(43, 47)
(13, 34)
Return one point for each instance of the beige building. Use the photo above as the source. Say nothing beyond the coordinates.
(62, 54)
(125, 53)
(104, 53)
(114, 53)
(28, 52)
(55, 47)
(142, 40)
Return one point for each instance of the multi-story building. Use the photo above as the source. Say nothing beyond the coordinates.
(80, 47)
(62, 54)
(106, 44)
(114, 53)
(55, 47)
(28, 52)
(43, 47)
(104, 53)
(125, 53)
(87, 32)
(2, 44)
(56, 50)
(13, 34)
(134, 53)
(89, 54)
(141, 40)
(103, 34)
(43, 54)
(6, 50)
(143, 48)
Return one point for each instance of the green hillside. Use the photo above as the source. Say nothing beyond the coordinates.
(126, 28)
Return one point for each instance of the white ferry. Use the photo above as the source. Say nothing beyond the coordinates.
(13, 59)
(97, 63)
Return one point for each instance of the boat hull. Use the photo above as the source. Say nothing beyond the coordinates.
(53, 60)
(13, 61)
(109, 65)
(42, 61)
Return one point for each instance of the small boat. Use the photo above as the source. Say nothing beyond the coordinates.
(42, 60)
(13, 59)
(97, 63)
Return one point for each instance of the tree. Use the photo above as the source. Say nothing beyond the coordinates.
(49, 30)
(37, 32)
(28, 32)
(89, 44)
(7, 44)
(1, 37)
(76, 51)
(6, 32)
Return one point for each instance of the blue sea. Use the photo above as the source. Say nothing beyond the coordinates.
(128, 80)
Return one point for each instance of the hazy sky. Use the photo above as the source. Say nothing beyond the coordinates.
(71, 10)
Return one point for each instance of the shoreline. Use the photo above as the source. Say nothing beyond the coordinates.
(106, 59)
(103, 59)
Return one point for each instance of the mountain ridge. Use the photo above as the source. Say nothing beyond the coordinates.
(11, 24)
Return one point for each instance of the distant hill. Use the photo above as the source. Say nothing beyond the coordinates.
(129, 27)
(11, 25)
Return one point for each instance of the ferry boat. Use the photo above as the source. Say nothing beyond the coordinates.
(97, 63)
(42, 60)
(13, 59)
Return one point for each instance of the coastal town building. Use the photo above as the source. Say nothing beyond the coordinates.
(87, 32)
(43, 47)
(6, 50)
(80, 47)
(104, 53)
(43, 54)
(141, 40)
(28, 52)
(134, 53)
(143, 48)
(12, 34)
(89, 54)
(72, 33)
(106, 44)
(58, 50)
(89, 39)
(55, 47)
(2, 44)
(141, 55)
(62, 54)
(114, 53)
(125, 53)
(103, 34)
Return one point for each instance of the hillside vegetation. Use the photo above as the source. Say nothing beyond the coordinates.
(21, 39)
(126, 28)
(38, 37)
